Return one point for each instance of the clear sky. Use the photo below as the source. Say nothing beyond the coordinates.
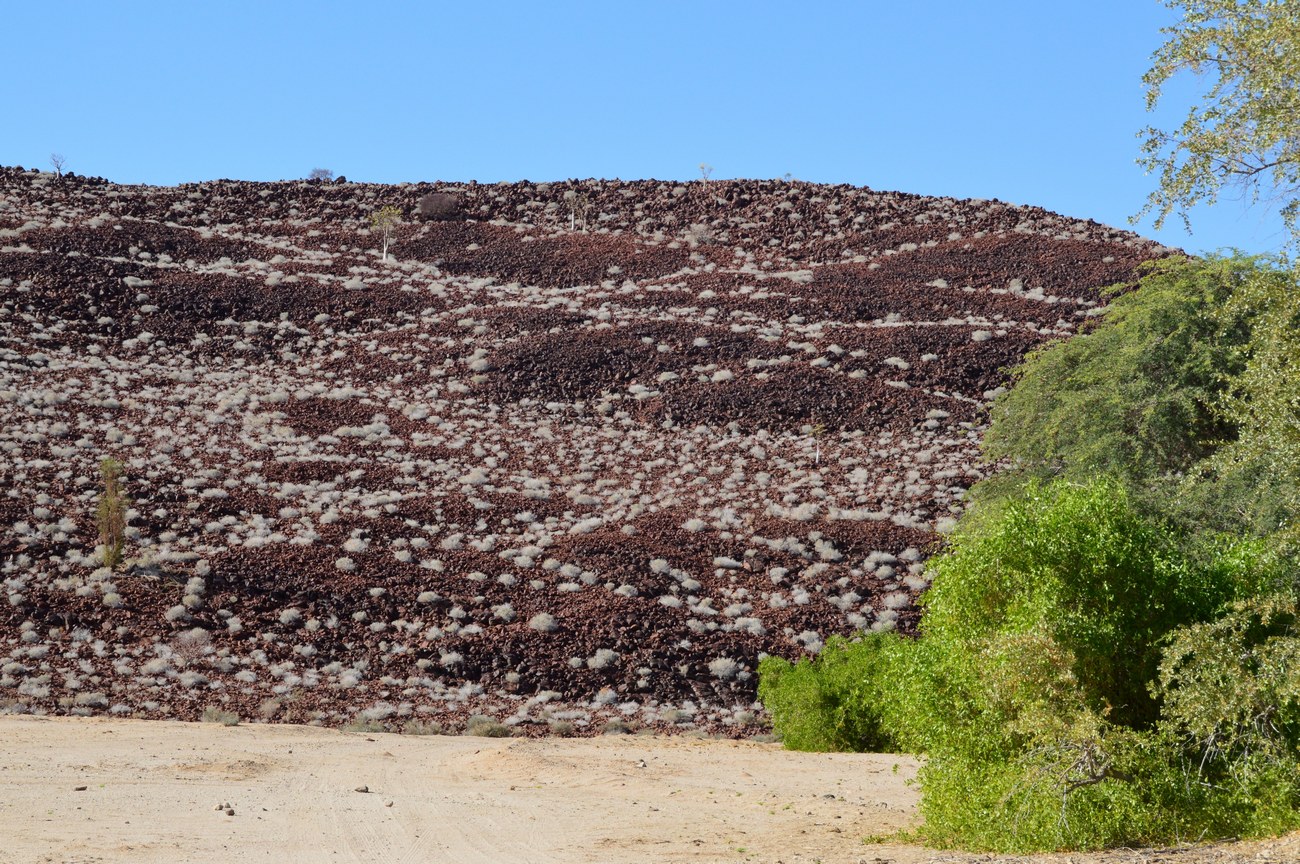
(1029, 101)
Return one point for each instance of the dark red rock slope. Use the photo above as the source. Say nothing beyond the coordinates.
(582, 451)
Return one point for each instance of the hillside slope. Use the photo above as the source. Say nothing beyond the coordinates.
(576, 451)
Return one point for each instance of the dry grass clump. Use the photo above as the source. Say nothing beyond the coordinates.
(482, 726)
(213, 714)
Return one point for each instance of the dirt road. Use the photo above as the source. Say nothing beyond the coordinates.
(78, 791)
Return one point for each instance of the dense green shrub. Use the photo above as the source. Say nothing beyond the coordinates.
(827, 705)
(1032, 688)
(1064, 793)
(1080, 566)
(1029, 688)
(1231, 687)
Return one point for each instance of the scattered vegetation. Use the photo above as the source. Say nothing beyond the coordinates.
(617, 726)
(421, 727)
(381, 509)
(364, 725)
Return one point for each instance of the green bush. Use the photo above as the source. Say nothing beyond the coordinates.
(1079, 565)
(1231, 687)
(1058, 795)
(1031, 689)
(829, 704)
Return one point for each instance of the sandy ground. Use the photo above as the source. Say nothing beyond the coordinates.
(75, 790)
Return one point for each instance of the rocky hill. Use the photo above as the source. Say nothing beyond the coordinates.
(576, 454)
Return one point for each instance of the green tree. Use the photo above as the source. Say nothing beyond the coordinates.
(1187, 390)
(1263, 402)
(1134, 395)
(1245, 130)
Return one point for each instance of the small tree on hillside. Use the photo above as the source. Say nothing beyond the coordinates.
(323, 174)
(58, 161)
(384, 222)
(110, 516)
(579, 204)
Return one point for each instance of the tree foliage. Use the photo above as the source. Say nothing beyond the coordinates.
(1245, 131)
(1186, 389)
(1135, 395)
(1263, 401)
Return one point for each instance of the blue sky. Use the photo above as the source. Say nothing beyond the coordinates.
(1027, 101)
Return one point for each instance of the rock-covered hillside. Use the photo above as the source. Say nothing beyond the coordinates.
(577, 451)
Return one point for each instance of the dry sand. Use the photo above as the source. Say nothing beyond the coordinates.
(88, 790)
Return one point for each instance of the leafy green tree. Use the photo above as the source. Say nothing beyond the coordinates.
(1135, 395)
(1187, 390)
(1245, 131)
(1263, 402)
